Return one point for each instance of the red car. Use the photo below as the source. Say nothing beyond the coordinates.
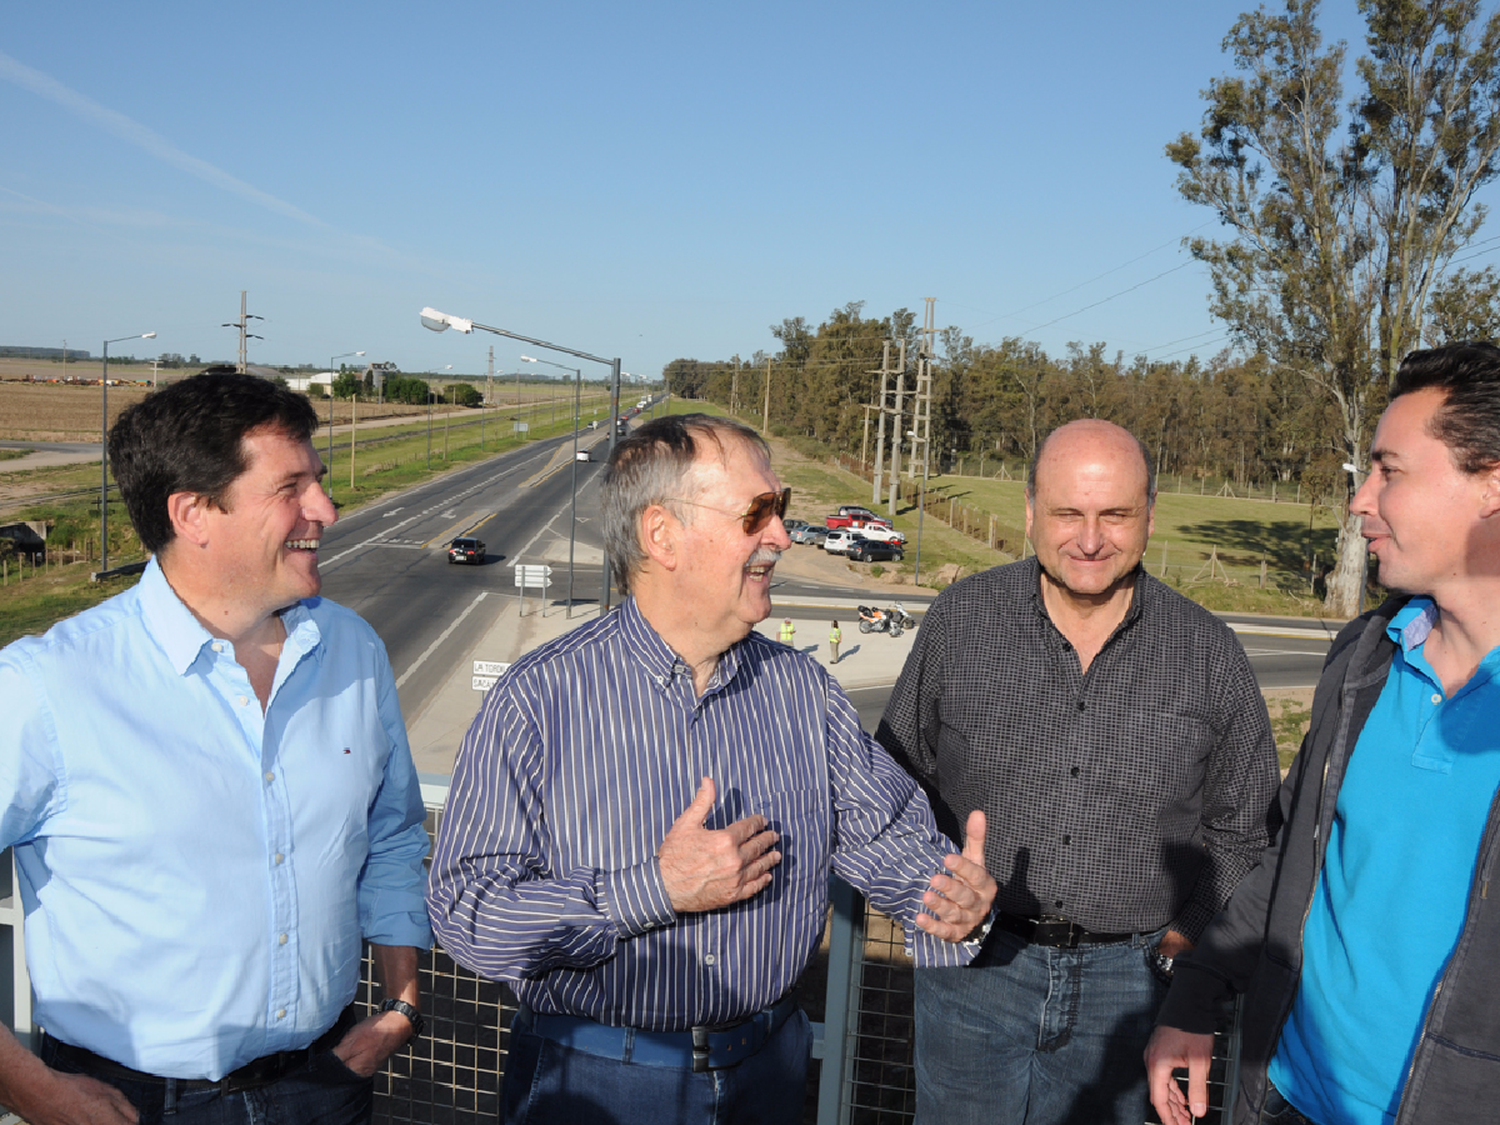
(852, 515)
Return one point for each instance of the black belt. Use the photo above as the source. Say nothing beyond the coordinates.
(1052, 930)
(259, 1072)
(699, 1049)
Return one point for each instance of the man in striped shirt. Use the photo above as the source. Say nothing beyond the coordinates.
(645, 813)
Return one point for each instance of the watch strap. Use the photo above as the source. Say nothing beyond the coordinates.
(413, 1016)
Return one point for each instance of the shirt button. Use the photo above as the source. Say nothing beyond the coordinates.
(281, 940)
(1080, 705)
(244, 699)
(278, 857)
(1074, 771)
(1437, 697)
(217, 647)
(1067, 839)
(281, 1013)
(270, 776)
(709, 959)
(1058, 904)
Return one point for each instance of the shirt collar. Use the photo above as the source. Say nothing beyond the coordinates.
(182, 636)
(659, 659)
(1132, 614)
(1412, 623)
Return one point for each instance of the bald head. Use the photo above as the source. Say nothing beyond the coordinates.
(1093, 439)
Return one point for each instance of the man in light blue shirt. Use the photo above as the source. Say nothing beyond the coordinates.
(207, 783)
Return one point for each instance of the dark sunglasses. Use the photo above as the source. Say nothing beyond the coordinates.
(758, 514)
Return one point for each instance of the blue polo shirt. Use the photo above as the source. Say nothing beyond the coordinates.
(1395, 884)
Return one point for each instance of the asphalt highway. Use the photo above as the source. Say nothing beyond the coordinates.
(388, 561)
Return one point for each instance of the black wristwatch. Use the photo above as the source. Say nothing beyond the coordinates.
(413, 1016)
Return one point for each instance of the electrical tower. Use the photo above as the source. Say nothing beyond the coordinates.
(882, 407)
(921, 428)
(245, 335)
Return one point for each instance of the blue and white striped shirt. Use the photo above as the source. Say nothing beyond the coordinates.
(582, 756)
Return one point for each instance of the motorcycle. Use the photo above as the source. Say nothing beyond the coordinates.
(873, 619)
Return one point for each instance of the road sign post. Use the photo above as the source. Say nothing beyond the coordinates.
(532, 576)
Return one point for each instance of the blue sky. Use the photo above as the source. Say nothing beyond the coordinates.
(647, 180)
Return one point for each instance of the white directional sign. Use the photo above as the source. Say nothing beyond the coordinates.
(486, 672)
(530, 576)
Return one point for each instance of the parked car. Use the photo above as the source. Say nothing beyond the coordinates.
(839, 540)
(852, 515)
(794, 526)
(879, 534)
(812, 534)
(870, 550)
(466, 550)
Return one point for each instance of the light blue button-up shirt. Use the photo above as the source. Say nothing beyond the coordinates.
(198, 876)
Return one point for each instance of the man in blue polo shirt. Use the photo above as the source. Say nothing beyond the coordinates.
(1364, 942)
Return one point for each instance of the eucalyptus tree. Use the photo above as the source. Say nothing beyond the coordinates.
(1344, 219)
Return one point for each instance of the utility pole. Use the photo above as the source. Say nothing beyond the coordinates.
(879, 404)
(241, 324)
(923, 404)
(489, 384)
(921, 414)
(896, 431)
(734, 389)
(765, 417)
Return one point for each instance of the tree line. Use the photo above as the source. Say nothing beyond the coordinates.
(1250, 421)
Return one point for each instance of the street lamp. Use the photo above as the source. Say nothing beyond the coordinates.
(329, 466)
(441, 322)
(104, 450)
(577, 421)
(447, 367)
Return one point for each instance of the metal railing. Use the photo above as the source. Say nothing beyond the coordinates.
(858, 993)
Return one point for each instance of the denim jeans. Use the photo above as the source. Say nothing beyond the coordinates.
(326, 1092)
(547, 1083)
(1035, 1035)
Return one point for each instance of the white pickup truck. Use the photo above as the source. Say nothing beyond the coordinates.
(882, 534)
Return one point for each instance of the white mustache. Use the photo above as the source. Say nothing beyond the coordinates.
(764, 556)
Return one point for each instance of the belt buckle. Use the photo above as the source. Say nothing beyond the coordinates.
(700, 1050)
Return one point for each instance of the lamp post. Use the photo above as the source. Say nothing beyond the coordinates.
(577, 421)
(329, 466)
(104, 449)
(441, 322)
(447, 367)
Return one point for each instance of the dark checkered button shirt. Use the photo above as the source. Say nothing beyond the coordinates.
(1125, 799)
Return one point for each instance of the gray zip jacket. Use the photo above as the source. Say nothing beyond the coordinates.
(1254, 945)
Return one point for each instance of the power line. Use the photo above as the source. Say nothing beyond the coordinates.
(1111, 297)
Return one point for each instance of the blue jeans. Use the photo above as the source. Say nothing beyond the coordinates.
(547, 1083)
(326, 1092)
(1037, 1035)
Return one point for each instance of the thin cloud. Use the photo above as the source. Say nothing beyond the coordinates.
(133, 132)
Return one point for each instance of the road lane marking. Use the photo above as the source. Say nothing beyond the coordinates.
(380, 536)
(443, 636)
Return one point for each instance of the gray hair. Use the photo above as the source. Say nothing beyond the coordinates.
(653, 466)
(1139, 444)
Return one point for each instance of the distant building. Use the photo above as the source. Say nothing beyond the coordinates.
(13, 351)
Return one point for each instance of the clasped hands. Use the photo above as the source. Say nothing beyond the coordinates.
(706, 868)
